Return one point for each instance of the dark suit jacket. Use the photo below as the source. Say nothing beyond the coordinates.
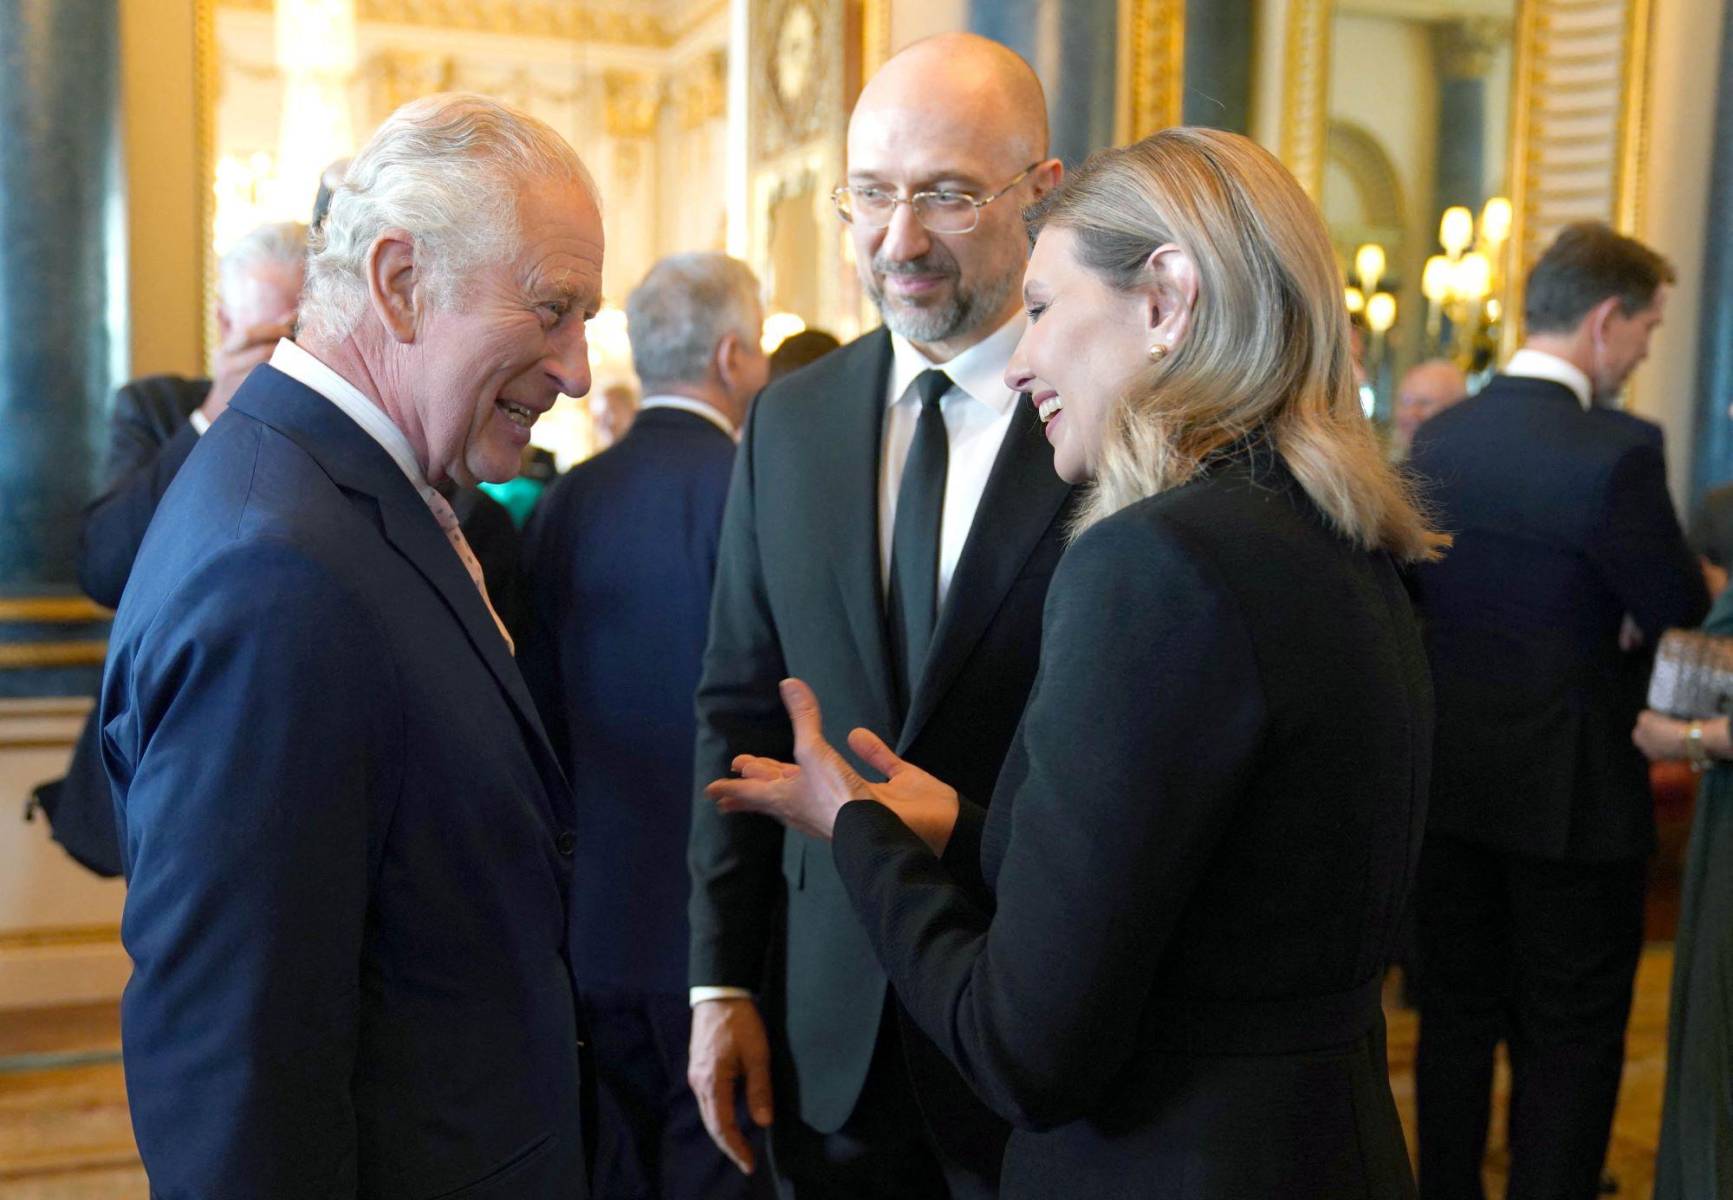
(1563, 525)
(620, 556)
(1159, 953)
(149, 437)
(798, 593)
(347, 841)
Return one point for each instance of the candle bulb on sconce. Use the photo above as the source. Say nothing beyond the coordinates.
(1456, 230)
(1369, 264)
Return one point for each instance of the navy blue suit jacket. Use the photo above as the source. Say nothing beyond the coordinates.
(347, 842)
(1563, 525)
(621, 555)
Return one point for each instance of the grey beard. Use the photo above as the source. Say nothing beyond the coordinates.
(941, 323)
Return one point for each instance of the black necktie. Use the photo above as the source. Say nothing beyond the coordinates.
(912, 603)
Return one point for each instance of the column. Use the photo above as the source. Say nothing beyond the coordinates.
(62, 276)
(1714, 455)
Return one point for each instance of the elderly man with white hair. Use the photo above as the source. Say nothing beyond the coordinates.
(347, 841)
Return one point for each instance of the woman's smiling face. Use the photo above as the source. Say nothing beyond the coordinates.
(1084, 343)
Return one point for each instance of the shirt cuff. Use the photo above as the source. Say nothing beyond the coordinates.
(699, 995)
(198, 421)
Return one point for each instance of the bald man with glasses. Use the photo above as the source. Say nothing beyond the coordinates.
(891, 527)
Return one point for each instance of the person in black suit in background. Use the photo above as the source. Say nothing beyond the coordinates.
(620, 556)
(890, 531)
(1159, 952)
(154, 423)
(1568, 565)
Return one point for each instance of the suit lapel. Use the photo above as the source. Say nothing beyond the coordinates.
(848, 479)
(1022, 496)
(355, 461)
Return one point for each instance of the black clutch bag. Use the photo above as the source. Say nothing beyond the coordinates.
(1693, 675)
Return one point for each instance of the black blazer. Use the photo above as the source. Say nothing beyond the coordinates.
(798, 593)
(1159, 953)
(620, 556)
(348, 844)
(1563, 525)
(149, 437)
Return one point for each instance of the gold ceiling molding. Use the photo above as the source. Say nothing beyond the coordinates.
(631, 100)
(1151, 67)
(566, 20)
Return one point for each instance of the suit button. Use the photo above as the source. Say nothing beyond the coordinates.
(566, 842)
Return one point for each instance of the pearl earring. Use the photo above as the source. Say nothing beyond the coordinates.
(1157, 351)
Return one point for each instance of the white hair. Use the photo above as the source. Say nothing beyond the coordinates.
(447, 169)
(283, 243)
(683, 308)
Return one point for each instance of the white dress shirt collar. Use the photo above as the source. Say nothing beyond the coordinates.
(687, 404)
(979, 370)
(1529, 363)
(302, 367)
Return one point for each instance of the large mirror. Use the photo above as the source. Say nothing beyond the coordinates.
(1415, 180)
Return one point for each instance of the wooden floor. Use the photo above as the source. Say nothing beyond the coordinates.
(64, 1133)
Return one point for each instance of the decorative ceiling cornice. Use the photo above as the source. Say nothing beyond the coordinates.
(565, 20)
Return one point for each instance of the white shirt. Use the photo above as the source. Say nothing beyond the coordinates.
(302, 367)
(687, 404)
(1538, 364)
(977, 410)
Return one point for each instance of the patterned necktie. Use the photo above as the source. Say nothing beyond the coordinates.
(454, 534)
(912, 602)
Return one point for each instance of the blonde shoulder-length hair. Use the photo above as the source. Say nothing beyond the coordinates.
(1267, 347)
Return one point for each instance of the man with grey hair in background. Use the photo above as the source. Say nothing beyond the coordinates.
(892, 524)
(153, 424)
(347, 840)
(620, 557)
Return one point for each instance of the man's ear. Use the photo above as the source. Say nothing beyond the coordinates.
(1600, 316)
(1047, 176)
(391, 280)
(1170, 294)
(726, 359)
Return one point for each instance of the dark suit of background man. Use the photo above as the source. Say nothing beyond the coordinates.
(152, 427)
(620, 555)
(889, 537)
(1541, 621)
(348, 844)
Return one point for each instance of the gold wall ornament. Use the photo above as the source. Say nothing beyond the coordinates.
(1306, 91)
(394, 77)
(701, 91)
(1151, 67)
(875, 38)
(1579, 126)
(631, 102)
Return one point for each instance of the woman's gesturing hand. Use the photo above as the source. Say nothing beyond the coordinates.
(806, 797)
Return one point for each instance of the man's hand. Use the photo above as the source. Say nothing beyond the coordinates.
(236, 358)
(1714, 577)
(729, 1047)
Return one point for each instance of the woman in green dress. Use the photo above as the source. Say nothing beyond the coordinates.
(1695, 1160)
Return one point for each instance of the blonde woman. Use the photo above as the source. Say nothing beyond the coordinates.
(1158, 952)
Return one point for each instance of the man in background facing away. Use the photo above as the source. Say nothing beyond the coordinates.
(1541, 621)
(620, 555)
